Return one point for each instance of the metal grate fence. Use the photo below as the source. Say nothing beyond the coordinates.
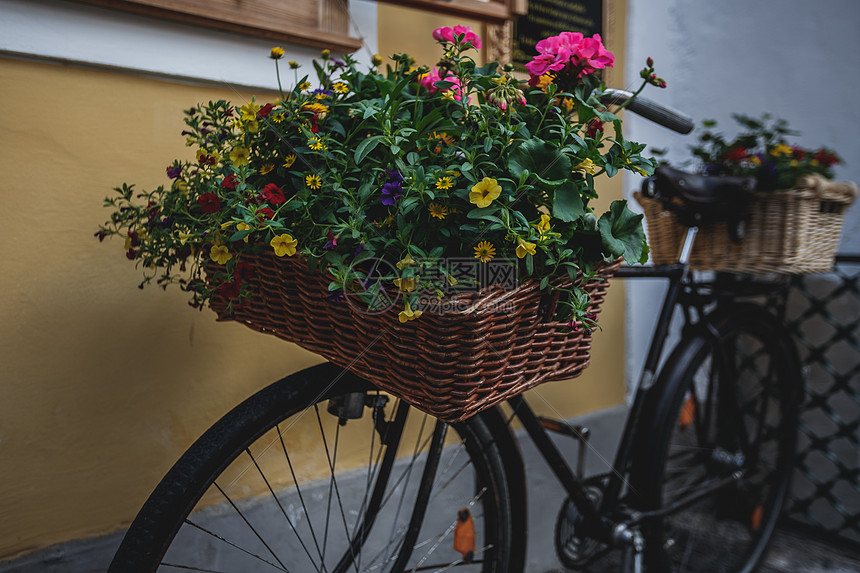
(824, 314)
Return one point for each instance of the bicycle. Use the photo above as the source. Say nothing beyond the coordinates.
(701, 472)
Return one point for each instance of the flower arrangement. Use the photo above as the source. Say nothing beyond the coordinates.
(414, 166)
(761, 151)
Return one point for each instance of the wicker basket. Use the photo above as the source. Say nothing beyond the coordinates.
(793, 231)
(486, 347)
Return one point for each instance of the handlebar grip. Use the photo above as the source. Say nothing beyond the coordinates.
(660, 114)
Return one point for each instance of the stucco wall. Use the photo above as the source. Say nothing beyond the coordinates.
(104, 385)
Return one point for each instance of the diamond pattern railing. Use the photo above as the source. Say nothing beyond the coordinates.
(823, 313)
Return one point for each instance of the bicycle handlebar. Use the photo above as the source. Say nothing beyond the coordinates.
(660, 114)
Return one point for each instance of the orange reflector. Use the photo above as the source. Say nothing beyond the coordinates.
(755, 518)
(688, 412)
(464, 535)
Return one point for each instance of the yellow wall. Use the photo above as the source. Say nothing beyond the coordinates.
(104, 385)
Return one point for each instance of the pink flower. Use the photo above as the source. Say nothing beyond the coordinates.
(445, 34)
(449, 36)
(429, 80)
(586, 55)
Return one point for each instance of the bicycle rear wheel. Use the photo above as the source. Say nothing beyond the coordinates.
(321, 472)
(717, 452)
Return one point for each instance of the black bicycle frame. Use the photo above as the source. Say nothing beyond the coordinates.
(595, 519)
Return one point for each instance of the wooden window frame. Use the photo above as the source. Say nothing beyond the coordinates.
(325, 23)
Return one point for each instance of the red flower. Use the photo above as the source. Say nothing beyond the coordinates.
(230, 181)
(799, 153)
(826, 158)
(594, 126)
(229, 290)
(735, 154)
(273, 194)
(265, 214)
(314, 125)
(265, 110)
(209, 202)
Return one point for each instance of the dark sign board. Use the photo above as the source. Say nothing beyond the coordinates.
(547, 18)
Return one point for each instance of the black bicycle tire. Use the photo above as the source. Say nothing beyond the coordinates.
(664, 405)
(161, 516)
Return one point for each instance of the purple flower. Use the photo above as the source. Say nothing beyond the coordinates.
(174, 171)
(335, 297)
(329, 93)
(391, 193)
(358, 250)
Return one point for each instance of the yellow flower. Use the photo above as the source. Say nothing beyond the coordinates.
(266, 168)
(340, 87)
(278, 117)
(220, 254)
(588, 166)
(794, 163)
(284, 245)
(405, 262)
(316, 144)
(183, 237)
(277, 53)
(781, 149)
(294, 65)
(304, 86)
(289, 160)
(180, 186)
(444, 183)
(437, 210)
(544, 81)
(524, 248)
(239, 155)
(249, 111)
(567, 104)
(250, 125)
(485, 251)
(376, 60)
(543, 227)
(313, 181)
(484, 192)
(315, 107)
(754, 160)
(326, 54)
(408, 314)
(227, 225)
(406, 285)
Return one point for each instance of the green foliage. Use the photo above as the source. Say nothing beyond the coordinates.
(761, 150)
(388, 165)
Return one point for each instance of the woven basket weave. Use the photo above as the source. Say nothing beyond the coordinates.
(792, 231)
(484, 348)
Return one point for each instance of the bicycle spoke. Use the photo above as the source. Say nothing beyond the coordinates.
(301, 498)
(280, 506)
(231, 544)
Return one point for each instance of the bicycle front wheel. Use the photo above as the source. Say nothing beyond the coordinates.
(718, 450)
(320, 472)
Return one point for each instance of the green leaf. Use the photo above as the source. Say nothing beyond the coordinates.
(366, 147)
(567, 203)
(539, 157)
(622, 233)
(484, 214)
(239, 235)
